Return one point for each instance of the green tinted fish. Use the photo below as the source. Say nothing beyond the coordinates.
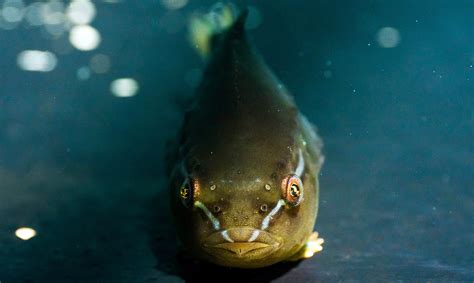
(244, 178)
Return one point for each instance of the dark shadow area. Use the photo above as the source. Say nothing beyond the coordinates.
(193, 271)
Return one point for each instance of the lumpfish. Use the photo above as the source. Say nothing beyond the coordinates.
(244, 175)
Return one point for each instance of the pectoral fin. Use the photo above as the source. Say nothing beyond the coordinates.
(312, 246)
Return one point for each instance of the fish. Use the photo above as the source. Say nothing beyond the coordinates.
(243, 174)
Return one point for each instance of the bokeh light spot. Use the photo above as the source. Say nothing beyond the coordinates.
(124, 87)
(37, 61)
(100, 64)
(84, 37)
(13, 11)
(25, 233)
(388, 37)
(81, 12)
(33, 14)
(52, 13)
(83, 73)
(327, 74)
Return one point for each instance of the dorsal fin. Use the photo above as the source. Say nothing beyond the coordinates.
(207, 30)
(239, 25)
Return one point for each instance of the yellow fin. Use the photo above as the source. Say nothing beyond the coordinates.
(203, 27)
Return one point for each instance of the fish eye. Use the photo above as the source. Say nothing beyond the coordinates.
(292, 189)
(295, 191)
(186, 192)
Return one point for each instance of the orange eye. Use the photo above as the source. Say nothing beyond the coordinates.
(292, 188)
(187, 192)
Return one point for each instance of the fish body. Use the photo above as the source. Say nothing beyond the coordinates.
(244, 177)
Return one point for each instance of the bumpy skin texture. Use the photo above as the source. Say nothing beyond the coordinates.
(243, 132)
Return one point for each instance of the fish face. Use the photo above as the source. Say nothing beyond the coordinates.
(243, 219)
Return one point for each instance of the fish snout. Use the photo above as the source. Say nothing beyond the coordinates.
(241, 234)
(241, 219)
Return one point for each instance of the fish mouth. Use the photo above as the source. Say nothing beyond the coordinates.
(241, 242)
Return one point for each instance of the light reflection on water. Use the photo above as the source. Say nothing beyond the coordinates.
(124, 87)
(81, 12)
(25, 233)
(37, 61)
(67, 25)
(84, 37)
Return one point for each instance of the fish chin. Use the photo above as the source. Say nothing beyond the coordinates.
(235, 249)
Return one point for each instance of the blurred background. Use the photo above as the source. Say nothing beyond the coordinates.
(91, 91)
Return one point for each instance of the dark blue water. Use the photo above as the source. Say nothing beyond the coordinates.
(390, 85)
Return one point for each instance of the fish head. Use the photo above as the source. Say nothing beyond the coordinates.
(246, 216)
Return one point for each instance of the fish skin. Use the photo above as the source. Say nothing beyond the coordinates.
(243, 131)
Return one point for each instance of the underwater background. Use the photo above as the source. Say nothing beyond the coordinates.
(91, 92)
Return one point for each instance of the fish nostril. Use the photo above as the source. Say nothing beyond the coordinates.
(264, 207)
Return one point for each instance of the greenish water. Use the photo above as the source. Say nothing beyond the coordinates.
(89, 99)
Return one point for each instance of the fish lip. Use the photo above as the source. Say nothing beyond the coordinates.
(242, 249)
(265, 244)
